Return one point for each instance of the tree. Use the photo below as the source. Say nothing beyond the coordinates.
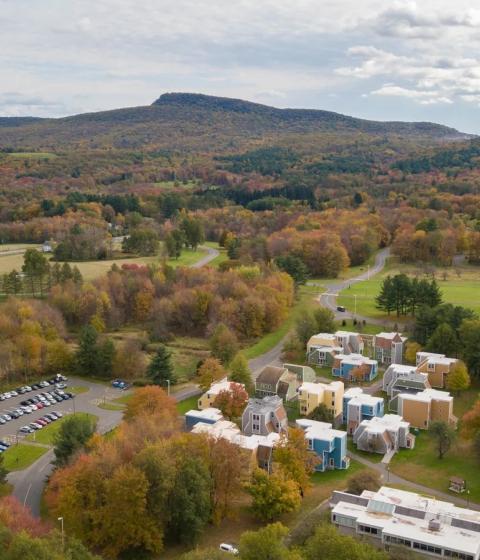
(458, 378)
(411, 350)
(190, 502)
(105, 358)
(73, 434)
(443, 340)
(223, 344)
(193, 231)
(150, 401)
(294, 266)
(209, 372)
(294, 458)
(35, 267)
(385, 301)
(471, 421)
(160, 370)
(470, 337)
(3, 471)
(272, 495)
(204, 554)
(141, 242)
(364, 480)
(129, 362)
(321, 413)
(305, 327)
(328, 544)
(444, 436)
(266, 544)
(240, 372)
(87, 356)
(232, 402)
(325, 320)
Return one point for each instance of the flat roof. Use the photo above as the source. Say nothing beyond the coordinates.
(230, 432)
(355, 359)
(346, 333)
(207, 413)
(357, 395)
(319, 430)
(378, 424)
(319, 388)
(389, 335)
(428, 395)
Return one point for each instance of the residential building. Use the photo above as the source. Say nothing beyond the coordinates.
(350, 342)
(328, 444)
(208, 398)
(404, 379)
(205, 416)
(303, 373)
(354, 367)
(264, 416)
(258, 448)
(359, 406)
(437, 366)
(322, 348)
(276, 381)
(420, 409)
(383, 434)
(398, 518)
(388, 347)
(311, 395)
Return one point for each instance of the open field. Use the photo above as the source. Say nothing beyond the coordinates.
(21, 456)
(47, 434)
(188, 404)
(421, 465)
(459, 289)
(32, 155)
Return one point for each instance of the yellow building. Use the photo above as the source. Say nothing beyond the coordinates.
(437, 366)
(311, 395)
(421, 409)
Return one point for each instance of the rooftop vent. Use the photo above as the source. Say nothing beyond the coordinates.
(434, 525)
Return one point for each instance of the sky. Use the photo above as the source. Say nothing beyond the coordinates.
(376, 59)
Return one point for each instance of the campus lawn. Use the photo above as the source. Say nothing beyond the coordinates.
(372, 457)
(188, 404)
(301, 306)
(124, 399)
(32, 155)
(369, 328)
(110, 406)
(458, 289)
(21, 456)
(421, 465)
(47, 434)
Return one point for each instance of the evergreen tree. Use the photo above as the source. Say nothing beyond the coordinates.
(443, 340)
(385, 299)
(160, 368)
(294, 266)
(240, 372)
(87, 357)
(73, 434)
(106, 356)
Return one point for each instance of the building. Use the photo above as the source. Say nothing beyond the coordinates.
(381, 435)
(359, 406)
(404, 379)
(354, 367)
(208, 398)
(350, 342)
(437, 366)
(328, 444)
(303, 373)
(388, 347)
(322, 348)
(264, 416)
(276, 381)
(259, 449)
(311, 395)
(206, 416)
(420, 409)
(398, 518)
(47, 247)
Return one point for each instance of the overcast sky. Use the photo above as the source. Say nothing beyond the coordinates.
(378, 59)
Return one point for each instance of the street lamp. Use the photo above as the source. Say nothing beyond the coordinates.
(468, 498)
(388, 473)
(168, 387)
(63, 534)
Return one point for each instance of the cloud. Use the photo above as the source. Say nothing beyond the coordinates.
(423, 97)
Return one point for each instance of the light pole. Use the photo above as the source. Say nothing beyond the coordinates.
(63, 533)
(388, 473)
(355, 298)
(168, 387)
(468, 498)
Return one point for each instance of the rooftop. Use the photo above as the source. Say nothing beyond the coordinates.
(357, 395)
(230, 432)
(319, 388)
(390, 335)
(346, 333)
(216, 388)
(428, 395)
(319, 430)
(271, 375)
(355, 359)
(207, 414)
(386, 422)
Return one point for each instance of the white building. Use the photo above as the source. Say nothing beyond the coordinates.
(381, 435)
(406, 519)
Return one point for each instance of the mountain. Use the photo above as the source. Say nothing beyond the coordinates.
(194, 122)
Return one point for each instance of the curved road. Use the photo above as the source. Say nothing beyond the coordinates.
(211, 254)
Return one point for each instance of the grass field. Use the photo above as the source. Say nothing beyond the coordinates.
(110, 406)
(32, 155)
(421, 465)
(266, 343)
(186, 353)
(21, 456)
(47, 434)
(186, 405)
(457, 289)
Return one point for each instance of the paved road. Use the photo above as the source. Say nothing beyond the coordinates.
(329, 299)
(211, 254)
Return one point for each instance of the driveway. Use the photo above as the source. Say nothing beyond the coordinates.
(211, 254)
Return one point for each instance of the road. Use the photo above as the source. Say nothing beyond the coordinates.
(329, 298)
(211, 254)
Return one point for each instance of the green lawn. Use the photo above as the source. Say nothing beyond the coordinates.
(32, 155)
(47, 434)
(372, 457)
(421, 465)
(110, 406)
(78, 389)
(21, 456)
(369, 328)
(459, 290)
(124, 399)
(266, 343)
(188, 404)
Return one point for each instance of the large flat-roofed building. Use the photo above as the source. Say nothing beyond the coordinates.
(311, 395)
(420, 409)
(405, 519)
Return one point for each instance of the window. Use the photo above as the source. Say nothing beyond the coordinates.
(310, 444)
(256, 428)
(431, 366)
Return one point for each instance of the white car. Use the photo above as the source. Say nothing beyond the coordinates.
(228, 548)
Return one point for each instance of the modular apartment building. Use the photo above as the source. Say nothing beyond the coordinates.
(404, 379)
(311, 395)
(208, 398)
(422, 408)
(328, 444)
(388, 347)
(437, 366)
(382, 435)
(398, 518)
(354, 367)
(359, 406)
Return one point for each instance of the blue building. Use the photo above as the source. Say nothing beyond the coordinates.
(206, 416)
(328, 444)
(359, 406)
(354, 367)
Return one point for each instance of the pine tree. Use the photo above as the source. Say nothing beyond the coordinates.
(160, 368)
(385, 299)
(106, 355)
(444, 340)
(87, 353)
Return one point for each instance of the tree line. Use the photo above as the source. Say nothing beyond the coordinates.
(406, 295)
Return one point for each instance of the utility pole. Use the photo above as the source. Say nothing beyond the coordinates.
(63, 533)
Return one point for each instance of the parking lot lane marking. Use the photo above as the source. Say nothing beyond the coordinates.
(26, 495)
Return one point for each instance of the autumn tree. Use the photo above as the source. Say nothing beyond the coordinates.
(232, 402)
(411, 350)
(471, 421)
(266, 544)
(209, 372)
(150, 401)
(223, 344)
(72, 436)
(129, 362)
(240, 372)
(443, 340)
(160, 370)
(272, 495)
(458, 378)
(444, 437)
(364, 480)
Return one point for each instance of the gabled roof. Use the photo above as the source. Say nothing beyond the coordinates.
(270, 375)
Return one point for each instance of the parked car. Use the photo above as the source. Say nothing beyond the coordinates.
(26, 430)
(341, 308)
(228, 548)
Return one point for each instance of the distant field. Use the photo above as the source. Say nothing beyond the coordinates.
(32, 155)
(459, 290)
